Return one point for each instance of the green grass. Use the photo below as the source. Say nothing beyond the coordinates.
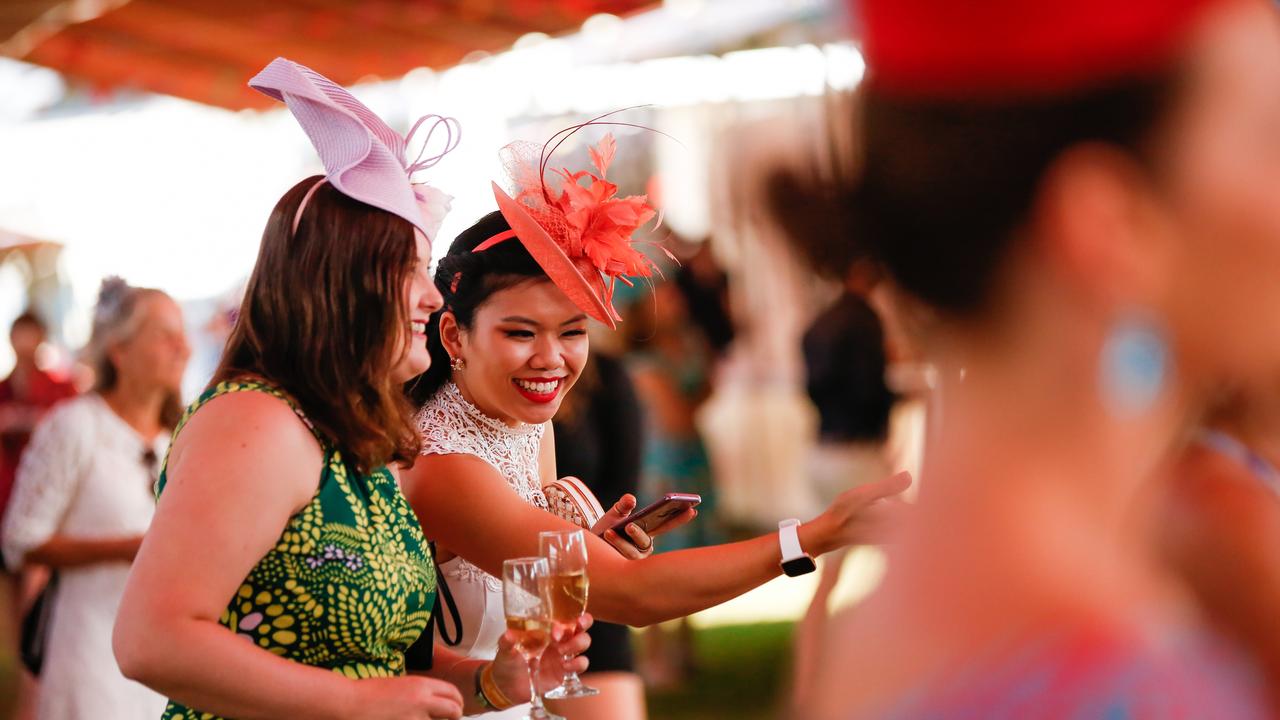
(742, 672)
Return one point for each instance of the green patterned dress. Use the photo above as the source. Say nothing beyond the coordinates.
(350, 584)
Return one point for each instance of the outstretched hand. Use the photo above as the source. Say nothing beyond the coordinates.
(860, 516)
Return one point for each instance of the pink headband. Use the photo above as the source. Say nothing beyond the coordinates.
(297, 216)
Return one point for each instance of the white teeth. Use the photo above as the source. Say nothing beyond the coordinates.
(539, 388)
(419, 327)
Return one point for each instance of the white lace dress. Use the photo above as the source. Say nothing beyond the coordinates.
(84, 475)
(450, 425)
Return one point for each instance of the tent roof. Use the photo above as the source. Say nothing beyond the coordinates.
(206, 51)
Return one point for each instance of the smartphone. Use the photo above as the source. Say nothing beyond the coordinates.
(652, 517)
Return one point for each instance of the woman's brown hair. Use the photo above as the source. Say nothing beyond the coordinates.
(322, 317)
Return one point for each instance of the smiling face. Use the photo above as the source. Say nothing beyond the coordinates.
(421, 298)
(524, 350)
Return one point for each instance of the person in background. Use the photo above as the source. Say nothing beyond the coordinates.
(25, 396)
(598, 440)
(844, 355)
(705, 287)
(672, 364)
(84, 497)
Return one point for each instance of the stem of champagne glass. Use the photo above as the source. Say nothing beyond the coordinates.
(570, 679)
(535, 699)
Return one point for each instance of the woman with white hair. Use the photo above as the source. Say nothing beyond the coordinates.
(84, 496)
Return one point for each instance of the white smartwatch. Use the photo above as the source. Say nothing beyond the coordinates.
(795, 561)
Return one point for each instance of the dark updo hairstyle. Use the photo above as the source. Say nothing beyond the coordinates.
(466, 280)
(944, 186)
(321, 317)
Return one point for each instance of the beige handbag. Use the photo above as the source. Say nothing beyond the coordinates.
(570, 498)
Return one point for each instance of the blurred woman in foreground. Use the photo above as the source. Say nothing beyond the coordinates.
(1085, 197)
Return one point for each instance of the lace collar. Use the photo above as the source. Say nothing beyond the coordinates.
(451, 394)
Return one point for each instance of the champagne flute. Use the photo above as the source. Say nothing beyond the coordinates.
(528, 611)
(566, 554)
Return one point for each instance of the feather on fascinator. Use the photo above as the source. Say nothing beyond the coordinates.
(363, 157)
(579, 232)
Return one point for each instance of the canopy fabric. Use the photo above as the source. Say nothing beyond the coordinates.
(205, 51)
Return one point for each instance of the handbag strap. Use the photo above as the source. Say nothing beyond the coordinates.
(444, 600)
(421, 655)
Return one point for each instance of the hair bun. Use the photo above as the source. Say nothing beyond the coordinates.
(110, 295)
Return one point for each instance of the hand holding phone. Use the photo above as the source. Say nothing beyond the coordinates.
(659, 513)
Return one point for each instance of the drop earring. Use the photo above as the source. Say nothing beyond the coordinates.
(1133, 366)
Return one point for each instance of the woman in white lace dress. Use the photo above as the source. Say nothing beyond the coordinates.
(84, 497)
(506, 348)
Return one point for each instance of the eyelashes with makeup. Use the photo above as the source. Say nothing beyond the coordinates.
(528, 335)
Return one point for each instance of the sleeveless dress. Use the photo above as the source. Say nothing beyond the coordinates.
(350, 584)
(451, 425)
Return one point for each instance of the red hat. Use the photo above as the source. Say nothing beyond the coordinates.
(580, 233)
(999, 48)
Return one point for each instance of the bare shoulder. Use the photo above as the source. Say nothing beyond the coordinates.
(448, 469)
(455, 481)
(243, 437)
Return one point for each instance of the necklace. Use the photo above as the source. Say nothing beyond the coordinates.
(1241, 453)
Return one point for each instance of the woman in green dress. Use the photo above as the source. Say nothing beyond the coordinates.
(284, 575)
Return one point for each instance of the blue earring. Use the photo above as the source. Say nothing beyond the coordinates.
(1134, 366)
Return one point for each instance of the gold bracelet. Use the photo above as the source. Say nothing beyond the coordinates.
(491, 691)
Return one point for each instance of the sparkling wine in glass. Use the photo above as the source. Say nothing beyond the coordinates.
(566, 555)
(528, 610)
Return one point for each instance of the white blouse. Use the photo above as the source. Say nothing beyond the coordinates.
(450, 425)
(85, 474)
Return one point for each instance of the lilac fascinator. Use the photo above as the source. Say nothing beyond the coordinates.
(363, 157)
